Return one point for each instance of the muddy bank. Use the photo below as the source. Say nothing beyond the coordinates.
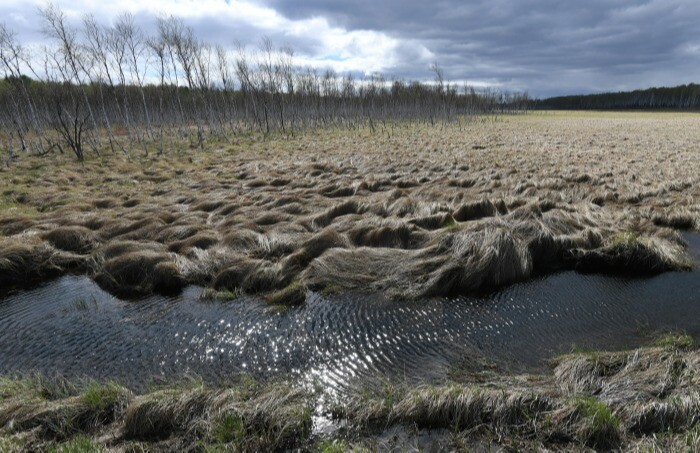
(600, 400)
(423, 213)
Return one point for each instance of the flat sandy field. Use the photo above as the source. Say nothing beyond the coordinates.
(413, 211)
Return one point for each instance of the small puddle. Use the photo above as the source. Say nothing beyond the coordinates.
(71, 327)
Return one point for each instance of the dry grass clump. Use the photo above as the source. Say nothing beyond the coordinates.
(246, 417)
(489, 255)
(71, 239)
(200, 240)
(292, 294)
(163, 413)
(533, 414)
(130, 269)
(599, 400)
(244, 273)
(414, 213)
(24, 260)
(479, 209)
(15, 225)
(295, 263)
(435, 221)
(630, 253)
(465, 407)
(680, 219)
(277, 418)
(388, 235)
(59, 411)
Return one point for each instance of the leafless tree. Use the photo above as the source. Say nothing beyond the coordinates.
(144, 91)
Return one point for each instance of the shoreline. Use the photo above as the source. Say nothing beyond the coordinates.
(594, 399)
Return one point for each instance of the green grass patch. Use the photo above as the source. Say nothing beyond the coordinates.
(602, 429)
(692, 439)
(331, 290)
(292, 295)
(332, 446)
(450, 224)
(10, 207)
(676, 340)
(229, 429)
(11, 444)
(625, 240)
(79, 444)
(101, 397)
(36, 386)
(85, 304)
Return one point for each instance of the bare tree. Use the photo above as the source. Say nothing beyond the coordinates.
(100, 80)
(56, 28)
(134, 42)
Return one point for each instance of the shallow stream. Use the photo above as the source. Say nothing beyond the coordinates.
(71, 327)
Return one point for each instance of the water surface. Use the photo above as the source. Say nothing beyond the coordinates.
(71, 327)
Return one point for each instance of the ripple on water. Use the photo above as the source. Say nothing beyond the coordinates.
(72, 327)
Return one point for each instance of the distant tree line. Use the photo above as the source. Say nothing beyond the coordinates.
(683, 97)
(97, 88)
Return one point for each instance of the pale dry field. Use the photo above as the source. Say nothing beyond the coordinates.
(412, 211)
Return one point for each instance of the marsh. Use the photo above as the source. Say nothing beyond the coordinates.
(290, 271)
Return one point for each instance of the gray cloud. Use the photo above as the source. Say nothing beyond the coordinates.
(546, 46)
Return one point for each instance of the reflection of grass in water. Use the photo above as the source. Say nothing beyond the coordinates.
(85, 303)
(210, 294)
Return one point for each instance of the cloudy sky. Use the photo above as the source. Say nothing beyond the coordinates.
(547, 47)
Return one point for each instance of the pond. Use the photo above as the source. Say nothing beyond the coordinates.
(71, 327)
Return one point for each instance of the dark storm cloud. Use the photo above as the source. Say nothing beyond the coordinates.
(549, 47)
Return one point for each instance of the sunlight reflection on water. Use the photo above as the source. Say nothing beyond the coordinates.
(334, 341)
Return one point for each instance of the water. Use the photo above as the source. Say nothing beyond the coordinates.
(71, 327)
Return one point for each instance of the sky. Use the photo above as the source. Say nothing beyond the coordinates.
(545, 47)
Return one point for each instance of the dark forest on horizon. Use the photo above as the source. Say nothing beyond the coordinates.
(682, 97)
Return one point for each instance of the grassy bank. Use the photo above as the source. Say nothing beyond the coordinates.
(642, 399)
(421, 212)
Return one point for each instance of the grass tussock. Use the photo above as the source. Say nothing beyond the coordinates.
(292, 295)
(631, 253)
(137, 272)
(598, 400)
(201, 241)
(212, 294)
(479, 209)
(26, 405)
(246, 417)
(599, 427)
(24, 260)
(71, 239)
(346, 211)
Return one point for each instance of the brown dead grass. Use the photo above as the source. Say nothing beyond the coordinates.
(599, 400)
(428, 211)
